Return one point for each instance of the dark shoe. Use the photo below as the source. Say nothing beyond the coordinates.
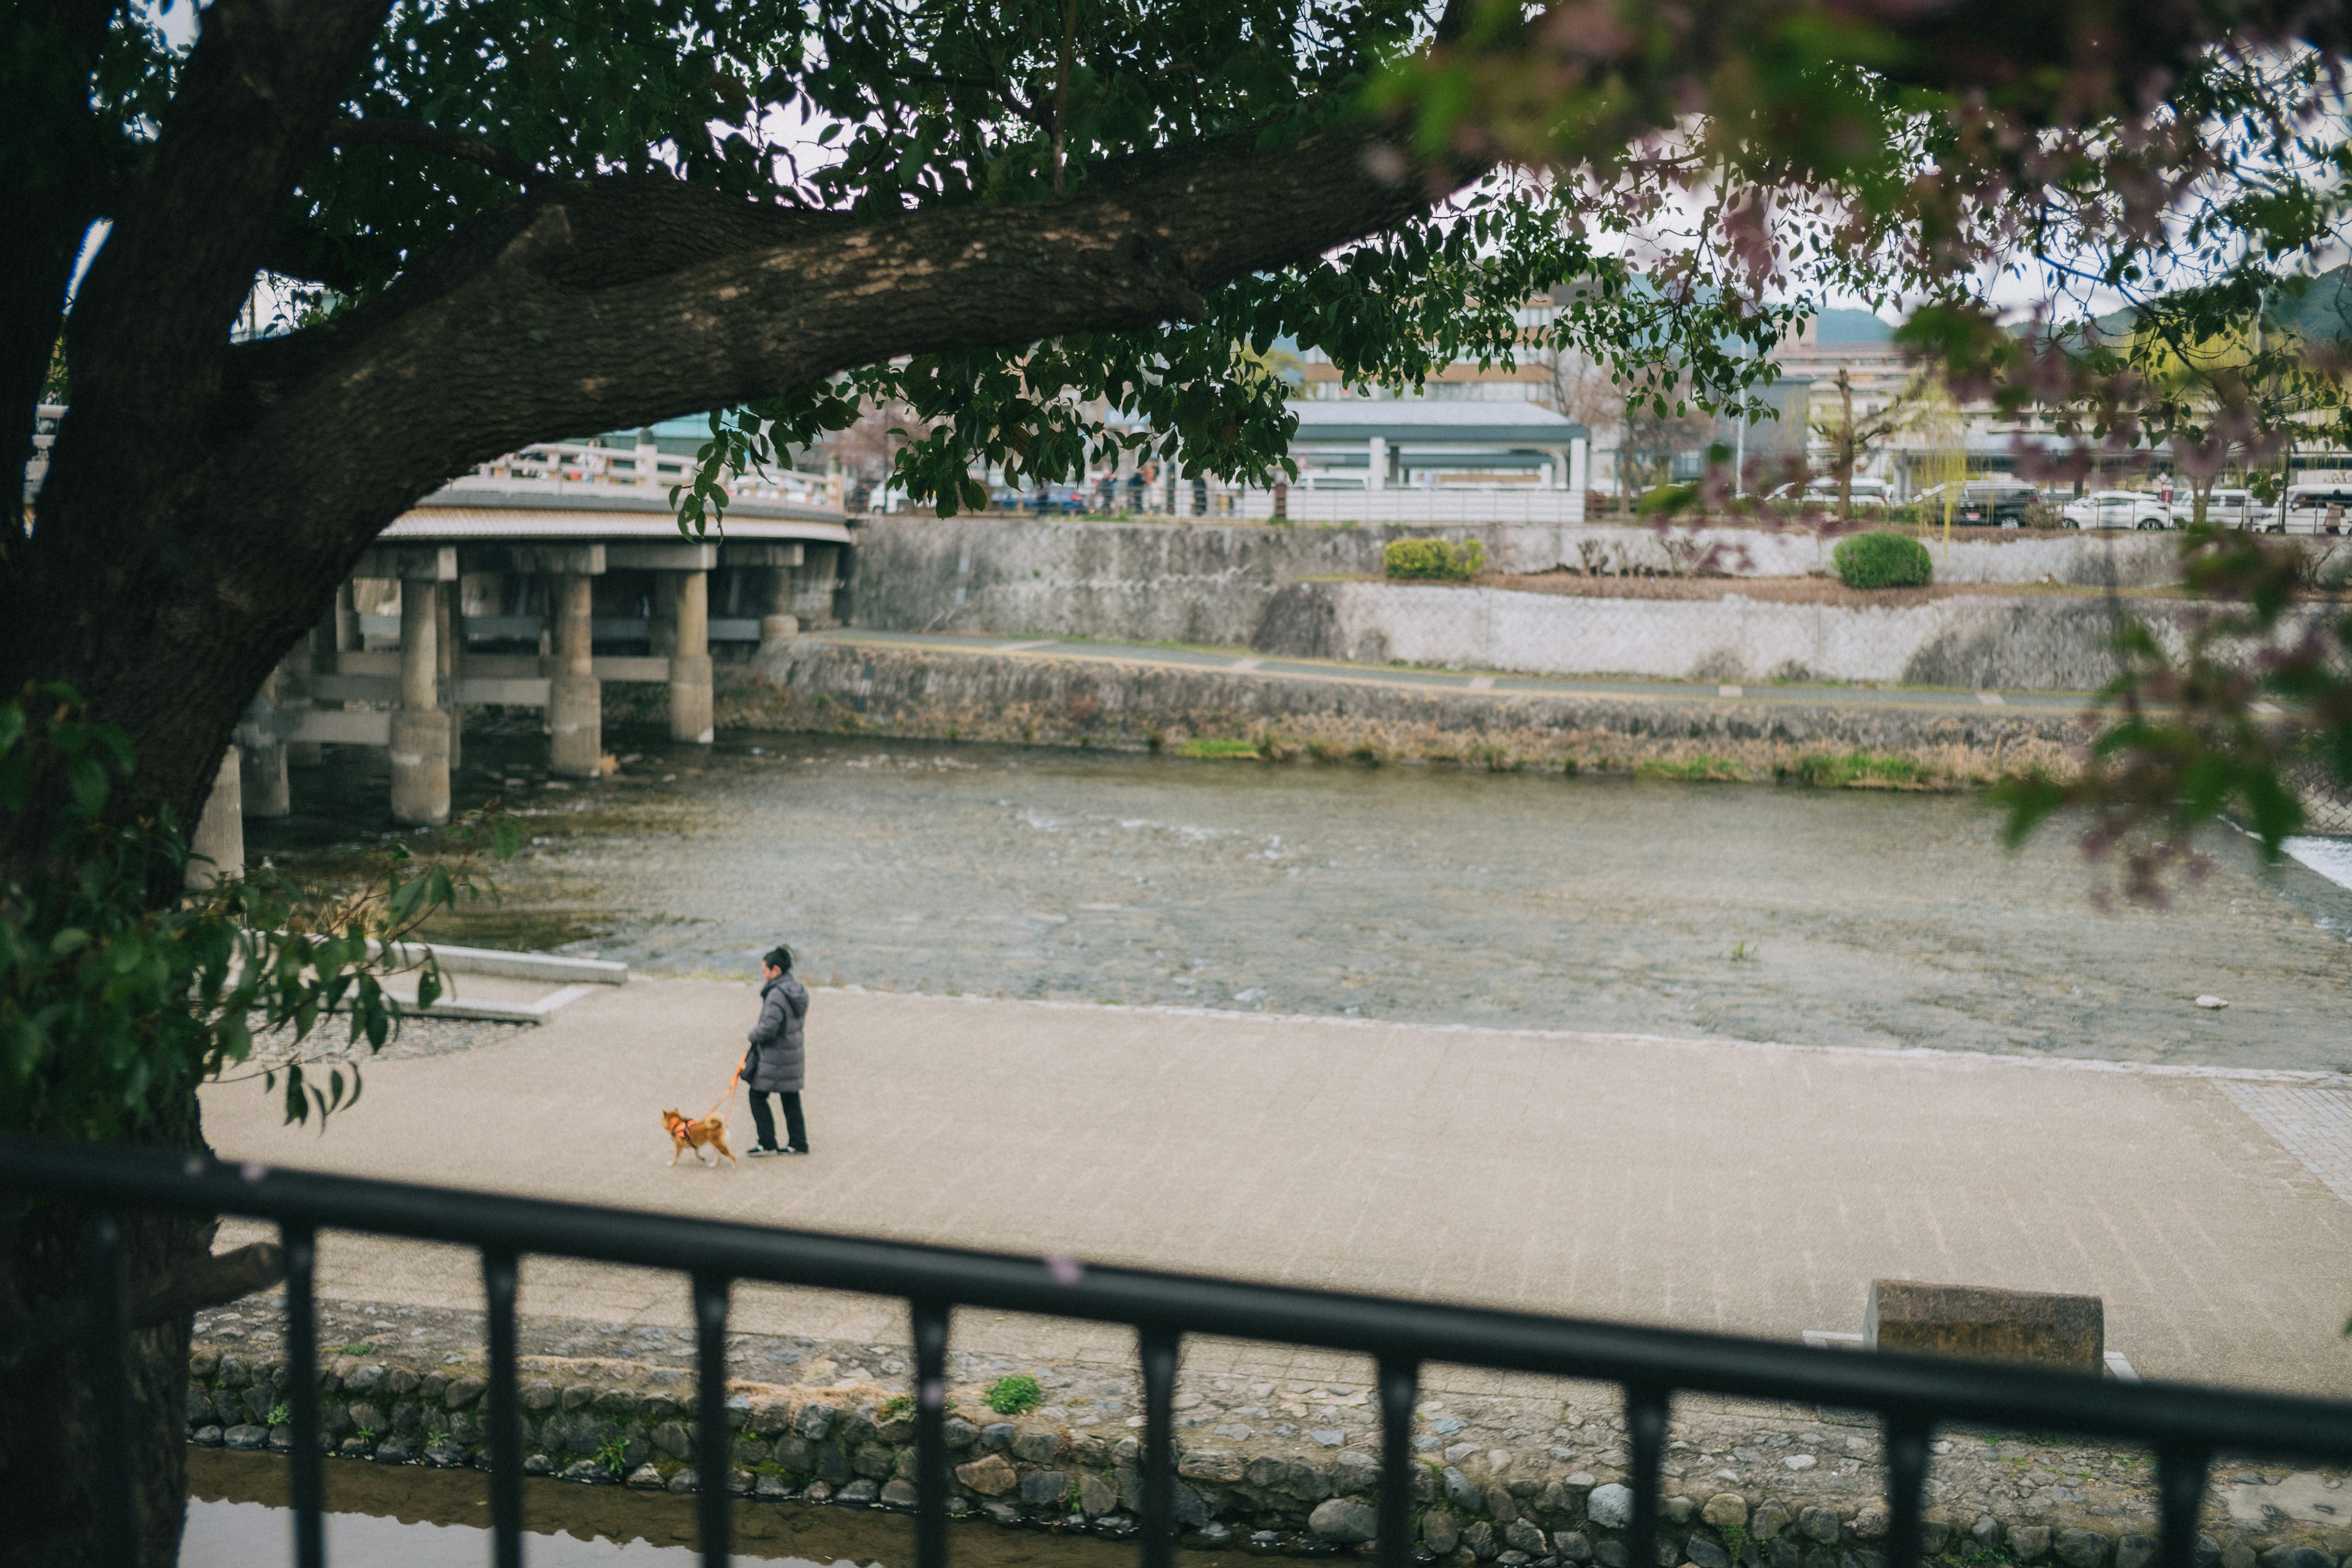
(788, 1149)
(761, 1150)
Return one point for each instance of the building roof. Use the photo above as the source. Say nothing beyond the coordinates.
(1424, 423)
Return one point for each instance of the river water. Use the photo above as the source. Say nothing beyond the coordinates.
(407, 1516)
(1836, 918)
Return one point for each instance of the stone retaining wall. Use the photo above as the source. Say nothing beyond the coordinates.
(811, 686)
(2027, 643)
(1559, 1501)
(1199, 583)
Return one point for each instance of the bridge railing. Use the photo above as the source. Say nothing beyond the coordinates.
(567, 465)
(2184, 1425)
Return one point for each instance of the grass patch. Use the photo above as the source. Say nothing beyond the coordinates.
(1014, 1395)
(1695, 770)
(1855, 769)
(1212, 748)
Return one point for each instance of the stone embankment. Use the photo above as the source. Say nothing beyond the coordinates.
(832, 688)
(1517, 1477)
(1197, 583)
(2027, 643)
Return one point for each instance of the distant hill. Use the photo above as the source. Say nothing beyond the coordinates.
(1851, 327)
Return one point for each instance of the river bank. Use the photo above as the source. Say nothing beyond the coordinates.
(1533, 1475)
(1358, 716)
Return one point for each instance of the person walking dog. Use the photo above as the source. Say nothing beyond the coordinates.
(775, 1063)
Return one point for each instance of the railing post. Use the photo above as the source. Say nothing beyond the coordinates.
(1158, 1353)
(930, 1434)
(2181, 1471)
(715, 1460)
(1399, 1382)
(110, 1395)
(506, 1416)
(1645, 1436)
(301, 1244)
(1906, 1484)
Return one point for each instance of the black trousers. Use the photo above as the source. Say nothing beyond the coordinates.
(795, 1129)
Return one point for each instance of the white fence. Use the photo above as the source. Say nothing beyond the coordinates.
(559, 466)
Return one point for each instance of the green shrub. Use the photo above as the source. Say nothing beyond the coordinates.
(1014, 1395)
(1439, 559)
(1215, 748)
(1883, 561)
(1855, 769)
(1701, 769)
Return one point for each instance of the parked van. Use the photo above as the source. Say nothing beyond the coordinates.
(2304, 509)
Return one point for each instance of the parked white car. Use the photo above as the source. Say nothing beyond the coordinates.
(2117, 509)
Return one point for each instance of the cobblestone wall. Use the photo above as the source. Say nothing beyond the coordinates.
(1516, 1480)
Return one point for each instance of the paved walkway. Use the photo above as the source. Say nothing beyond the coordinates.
(1240, 662)
(1719, 1186)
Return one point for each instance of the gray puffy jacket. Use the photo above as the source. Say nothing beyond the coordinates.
(777, 1054)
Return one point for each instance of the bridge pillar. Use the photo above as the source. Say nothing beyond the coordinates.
(294, 693)
(778, 626)
(420, 729)
(449, 663)
(575, 700)
(261, 784)
(690, 716)
(219, 837)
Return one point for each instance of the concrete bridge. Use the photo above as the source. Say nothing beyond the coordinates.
(531, 584)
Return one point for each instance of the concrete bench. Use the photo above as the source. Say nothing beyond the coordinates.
(1978, 1322)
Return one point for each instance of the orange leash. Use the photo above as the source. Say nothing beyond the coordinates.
(729, 1095)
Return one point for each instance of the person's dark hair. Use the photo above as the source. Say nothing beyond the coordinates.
(779, 957)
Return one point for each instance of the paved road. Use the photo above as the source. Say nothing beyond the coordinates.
(1713, 1184)
(1502, 685)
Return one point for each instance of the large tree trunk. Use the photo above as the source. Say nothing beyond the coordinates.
(206, 500)
(47, 1420)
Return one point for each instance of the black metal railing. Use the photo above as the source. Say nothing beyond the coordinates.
(2186, 1426)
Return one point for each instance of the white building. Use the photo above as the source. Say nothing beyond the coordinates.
(1410, 460)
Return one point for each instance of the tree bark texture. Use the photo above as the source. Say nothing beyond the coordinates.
(206, 500)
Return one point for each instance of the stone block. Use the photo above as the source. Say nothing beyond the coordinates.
(1038, 1445)
(2036, 1328)
(1440, 1531)
(2027, 1543)
(1045, 1488)
(990, 1475)
(1345, 1522)
(1770, 1521)
(1571, 1546)
(2080, 1548)
(1521, 1536)
(1612, 1507)
(2135, 1551)
(1724, 1510)
(1677, 1511)
(1705, 1551)
(1819, 1524)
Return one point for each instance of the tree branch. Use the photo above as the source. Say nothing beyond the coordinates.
(212, 1281)
(379, 132)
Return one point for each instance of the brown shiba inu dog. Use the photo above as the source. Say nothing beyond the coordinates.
(709, 1132)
